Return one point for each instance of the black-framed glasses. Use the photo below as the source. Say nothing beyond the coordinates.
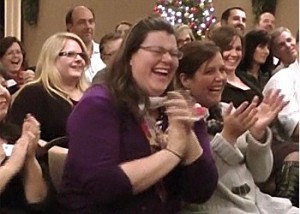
(73, 54)
(160, 51)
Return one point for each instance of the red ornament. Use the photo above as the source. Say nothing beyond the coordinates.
(192, 24)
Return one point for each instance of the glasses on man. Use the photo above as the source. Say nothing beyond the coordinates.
(160, 51)
(73, 54)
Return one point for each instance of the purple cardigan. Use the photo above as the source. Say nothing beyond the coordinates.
(101, 137)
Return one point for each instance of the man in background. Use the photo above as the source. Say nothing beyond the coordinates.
(235, 17)
(123, 27)
(110, 43)
(266, 21)
(288, 81)
(80, 20)
(283, 46)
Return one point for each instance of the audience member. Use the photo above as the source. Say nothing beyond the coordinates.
(231, 43)
(22, 185)
(123, 27)
(257, 64)
(59, 85)
(242, 148)
(12, 57)
(283, 46)
(129, 165)
(81, 21)
(287, 80)
(183, 35)
(110, 43)
(266, 21)
(211, 29)
(235, 17)
(285, 152)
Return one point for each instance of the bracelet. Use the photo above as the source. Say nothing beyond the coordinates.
(174, 153)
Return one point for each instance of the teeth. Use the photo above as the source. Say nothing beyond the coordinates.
(161, 71)
(231, 60)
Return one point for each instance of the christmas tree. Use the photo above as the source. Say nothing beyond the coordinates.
(197, 14)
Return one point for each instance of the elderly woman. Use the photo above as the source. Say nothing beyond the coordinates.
(22, 185)
(12, 57)
(130, 164)
(59, 85)
(241, 148)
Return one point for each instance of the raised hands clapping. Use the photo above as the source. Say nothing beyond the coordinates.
(267, 111)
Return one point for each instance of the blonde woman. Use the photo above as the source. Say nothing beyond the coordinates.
(183, 35)
(59, 85)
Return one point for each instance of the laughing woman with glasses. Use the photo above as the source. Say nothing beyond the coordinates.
(59, 85)
(13, 58)
(126, 155)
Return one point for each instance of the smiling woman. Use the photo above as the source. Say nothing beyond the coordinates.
(59, 85)
(129, 166)
(12, 57)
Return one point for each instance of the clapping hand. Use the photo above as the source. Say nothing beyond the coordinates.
(180, 115)
(267, 111)
(236, 122)
(31, 129)
(28, 76)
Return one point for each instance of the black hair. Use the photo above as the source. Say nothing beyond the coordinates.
(253, 39)
(226, 13)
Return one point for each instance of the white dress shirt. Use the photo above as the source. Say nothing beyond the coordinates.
(288, 81)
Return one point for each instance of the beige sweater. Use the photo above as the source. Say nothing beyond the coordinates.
(239, 167)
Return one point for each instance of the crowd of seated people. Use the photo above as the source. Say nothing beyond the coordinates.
(152, 120)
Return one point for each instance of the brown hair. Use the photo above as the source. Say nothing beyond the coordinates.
(224, 35)
(194, 55)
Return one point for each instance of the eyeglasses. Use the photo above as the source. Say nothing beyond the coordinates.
(183, 41)
(73, 54)
(160, 51)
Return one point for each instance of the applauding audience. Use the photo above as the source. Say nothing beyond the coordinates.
(241, 142)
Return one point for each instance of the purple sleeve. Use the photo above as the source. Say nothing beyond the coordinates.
(202, 175)
(93, 159)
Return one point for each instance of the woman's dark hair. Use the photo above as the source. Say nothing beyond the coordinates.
(7, 42)
(119, 79)
(224, 35)
(253, 39)
(194, 55)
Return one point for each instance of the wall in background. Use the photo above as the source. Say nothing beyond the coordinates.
(110, 12)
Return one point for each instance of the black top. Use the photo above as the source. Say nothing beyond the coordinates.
(51, 111)
(256, 84)
(237, 95)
